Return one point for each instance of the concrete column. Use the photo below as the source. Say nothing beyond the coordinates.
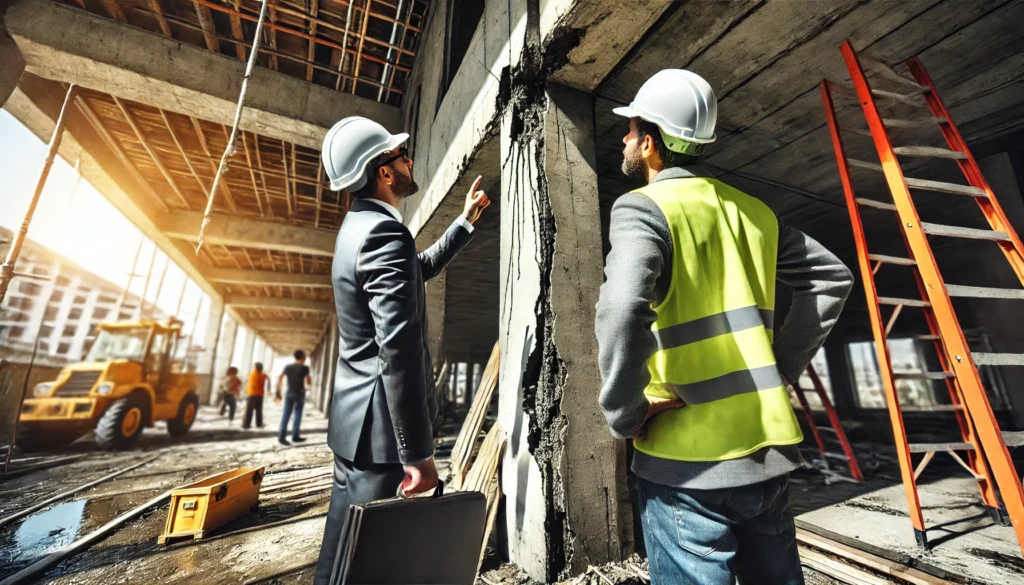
(12, 64)
(844, 392)
(211, 344)
(248, 342)
(226, 350)
(564, 475)
(435, 290)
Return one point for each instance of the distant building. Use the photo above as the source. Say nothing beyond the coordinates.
(63, 305)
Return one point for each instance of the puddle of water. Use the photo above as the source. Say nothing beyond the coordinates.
(41, 534)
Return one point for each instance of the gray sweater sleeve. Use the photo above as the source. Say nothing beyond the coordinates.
(820, 283)
(641, 251)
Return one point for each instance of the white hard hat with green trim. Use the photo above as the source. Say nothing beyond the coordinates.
(682, 104)
(350, 145)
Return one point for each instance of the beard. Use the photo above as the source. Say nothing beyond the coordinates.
(633, 165)
(404, 186)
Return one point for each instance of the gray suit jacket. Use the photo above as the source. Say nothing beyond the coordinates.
(383, 401)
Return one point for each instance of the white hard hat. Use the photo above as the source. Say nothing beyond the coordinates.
(350, 145)
(681, 103)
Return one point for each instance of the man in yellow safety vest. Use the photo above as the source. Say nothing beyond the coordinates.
(692, 370)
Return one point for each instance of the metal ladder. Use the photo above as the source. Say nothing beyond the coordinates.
(985, 444)
(836, 427)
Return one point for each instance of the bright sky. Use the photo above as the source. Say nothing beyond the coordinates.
(75, 220)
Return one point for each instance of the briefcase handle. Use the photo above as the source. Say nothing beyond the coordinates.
(438, 491)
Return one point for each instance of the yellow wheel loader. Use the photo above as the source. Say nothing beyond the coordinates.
(127, 382)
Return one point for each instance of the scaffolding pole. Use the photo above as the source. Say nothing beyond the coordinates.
(7, 269)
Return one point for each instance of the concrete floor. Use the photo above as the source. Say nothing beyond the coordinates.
(965, 542)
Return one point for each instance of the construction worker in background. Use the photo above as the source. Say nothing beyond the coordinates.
(230, 387)
(383, 405)
(685, 332)
(254, 391)
(298, 377)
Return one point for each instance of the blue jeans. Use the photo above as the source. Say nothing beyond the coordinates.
(292, 404)
(711, 537)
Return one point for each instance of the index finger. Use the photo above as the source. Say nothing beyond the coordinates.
(476, 184)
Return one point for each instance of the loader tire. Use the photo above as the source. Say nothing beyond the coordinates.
(187, 411)
(122, 423)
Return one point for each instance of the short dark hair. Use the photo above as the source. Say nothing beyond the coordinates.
(299, 354)
(669, 158)
(370, 188)
(259, 367)
(232, 371)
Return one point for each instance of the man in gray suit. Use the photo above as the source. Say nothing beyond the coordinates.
(383, 402)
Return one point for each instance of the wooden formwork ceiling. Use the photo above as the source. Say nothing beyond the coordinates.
(303, 39)
(170, 159)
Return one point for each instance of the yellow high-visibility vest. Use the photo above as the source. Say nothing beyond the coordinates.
(714, 328)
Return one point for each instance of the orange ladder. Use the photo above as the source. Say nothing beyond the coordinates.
(836, 426)
(986, 445)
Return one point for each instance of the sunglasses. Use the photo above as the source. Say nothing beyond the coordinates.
(403, 152)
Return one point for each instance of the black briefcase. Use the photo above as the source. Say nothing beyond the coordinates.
(419, 541)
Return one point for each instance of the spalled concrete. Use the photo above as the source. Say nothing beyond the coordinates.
(593, 36)
(65, 44)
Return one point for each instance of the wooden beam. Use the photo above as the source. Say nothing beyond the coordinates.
(115, 146)
(114, 10)
(263, 176)
(252, 176)
(314, 8)
(158, 11)
(152, 154)
(269, 278)
(280, 303)
(362, 39)
(245, 232)
(228, 198)
(181, 150)
(209, 29)
(236, 32)
(287, 179)
(272, 32)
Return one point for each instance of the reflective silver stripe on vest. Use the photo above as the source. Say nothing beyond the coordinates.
(713, 326)
(741, 382)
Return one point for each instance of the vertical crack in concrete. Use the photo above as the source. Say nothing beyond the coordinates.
(522, 95)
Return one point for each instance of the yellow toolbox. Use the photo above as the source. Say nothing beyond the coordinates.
(205, 505)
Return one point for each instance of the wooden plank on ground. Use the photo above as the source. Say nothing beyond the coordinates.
(837, 569)
(462, 452)
(866, 559)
